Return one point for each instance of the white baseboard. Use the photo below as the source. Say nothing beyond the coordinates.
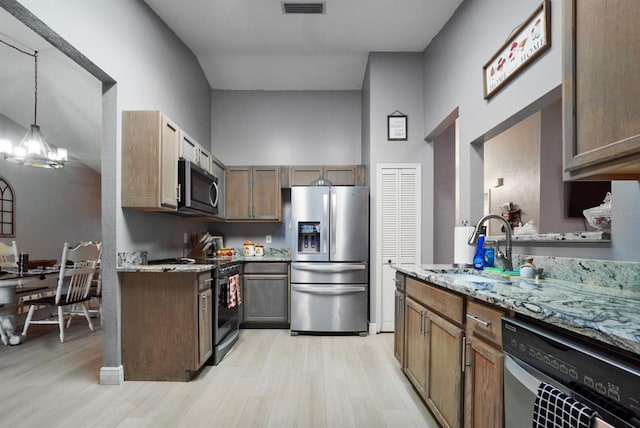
(112, 375)
(372, 328)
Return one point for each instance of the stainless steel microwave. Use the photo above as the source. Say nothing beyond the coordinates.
(198, 190)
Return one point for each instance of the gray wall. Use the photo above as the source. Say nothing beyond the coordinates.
(393, 81)
(154, 70)
(52, 206)
(453, 78)
(286, 127)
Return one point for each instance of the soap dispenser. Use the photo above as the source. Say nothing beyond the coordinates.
(478, 258)
(528, 269)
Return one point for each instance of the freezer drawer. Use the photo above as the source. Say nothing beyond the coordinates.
(329, 273)
(329, 308)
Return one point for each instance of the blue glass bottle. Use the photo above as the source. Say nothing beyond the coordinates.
(478, 258)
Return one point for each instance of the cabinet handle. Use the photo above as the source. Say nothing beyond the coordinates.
(465, 363)
(421, 323)
(178, 190)
(400, 304)
(478, 320)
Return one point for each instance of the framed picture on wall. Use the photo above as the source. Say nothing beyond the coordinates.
(397, 126)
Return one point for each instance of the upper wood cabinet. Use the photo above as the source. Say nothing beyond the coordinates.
(601, 89)
(191, 150)
(149, 161)
(253, 193)
(338, 175)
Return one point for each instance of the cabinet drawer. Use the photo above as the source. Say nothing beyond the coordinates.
(266, 267)
(444, 302)
(483, 320)
(204, 280)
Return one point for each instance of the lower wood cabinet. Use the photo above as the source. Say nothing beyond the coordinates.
(266, 295)
(444, 372)
(433, 357)
(416, 351)
(452, 354)
(484, 363)
(166, 324)
(398, 338)
(483, 403)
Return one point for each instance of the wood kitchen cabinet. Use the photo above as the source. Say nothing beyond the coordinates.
(399, 318)
(266, 295)
(338, 175)
(166, 324)
(253, 193)
(191, 150)
(433, 348)
(416, 345)
(484, 367)
(601, 88)
(150, 148)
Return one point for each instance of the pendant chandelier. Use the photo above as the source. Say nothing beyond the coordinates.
(33, 150)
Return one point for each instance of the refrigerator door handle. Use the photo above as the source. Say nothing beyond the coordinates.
(325, 221)
(334, 291)
(314, 267)
(332, 222)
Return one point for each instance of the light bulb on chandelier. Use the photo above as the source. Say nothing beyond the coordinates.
(33, 150)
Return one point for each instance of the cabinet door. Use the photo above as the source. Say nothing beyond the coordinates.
(237, 193)
(266, 194)
(188, 147)
(484, 399)
(340, 175)
(169, 164)
(266, 299)
(205, 339)
(398, 338)
(444, 370)
(204, 159)
(416, 345)
(304, 175)
(601, 88)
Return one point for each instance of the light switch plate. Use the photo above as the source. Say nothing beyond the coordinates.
(268, 239)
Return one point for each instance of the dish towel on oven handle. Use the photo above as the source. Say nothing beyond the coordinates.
(233, 291)
(555, 409)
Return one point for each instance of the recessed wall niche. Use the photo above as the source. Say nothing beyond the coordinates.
(523, 166)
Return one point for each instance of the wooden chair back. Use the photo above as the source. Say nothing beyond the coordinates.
(74, 281)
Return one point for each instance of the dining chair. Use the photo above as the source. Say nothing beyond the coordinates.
(8, 255)
(74, 284)
(8, 259)
(95, 294)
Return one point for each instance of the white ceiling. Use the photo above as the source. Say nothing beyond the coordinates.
(251, 44)
(240, 44)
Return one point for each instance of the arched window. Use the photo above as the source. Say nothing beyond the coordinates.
(7, 210)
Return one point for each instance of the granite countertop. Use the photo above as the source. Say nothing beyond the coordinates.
(609, 315)
(186, 268)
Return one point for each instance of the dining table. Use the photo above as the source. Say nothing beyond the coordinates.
(14, 284)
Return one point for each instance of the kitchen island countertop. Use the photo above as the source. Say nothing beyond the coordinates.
(609, 315)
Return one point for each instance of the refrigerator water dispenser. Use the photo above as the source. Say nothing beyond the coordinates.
(309, 237)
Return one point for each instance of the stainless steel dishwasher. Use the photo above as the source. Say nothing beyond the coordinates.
(600, 379)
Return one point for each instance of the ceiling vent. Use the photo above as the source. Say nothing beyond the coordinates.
(306, 8)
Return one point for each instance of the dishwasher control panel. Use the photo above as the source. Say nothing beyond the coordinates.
(590, 372)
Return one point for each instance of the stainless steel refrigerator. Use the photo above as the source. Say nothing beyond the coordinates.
(330, 259)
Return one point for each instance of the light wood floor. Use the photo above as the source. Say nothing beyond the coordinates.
(270, 379)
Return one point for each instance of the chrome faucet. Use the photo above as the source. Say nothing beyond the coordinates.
(503, 259)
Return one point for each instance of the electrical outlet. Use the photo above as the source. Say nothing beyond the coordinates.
(268, 239)
(186, 238)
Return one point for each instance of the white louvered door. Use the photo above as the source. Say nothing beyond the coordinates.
(399, 219)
